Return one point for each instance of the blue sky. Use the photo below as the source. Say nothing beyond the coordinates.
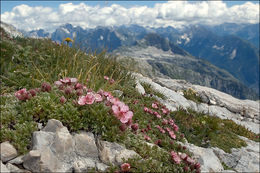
(48, 15)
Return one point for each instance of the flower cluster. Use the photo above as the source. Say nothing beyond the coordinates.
(23, 94)
(183, 157)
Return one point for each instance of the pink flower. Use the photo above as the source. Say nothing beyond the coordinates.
(82, 100)
(63, 99)
(125, 167)
(79, 92)
(98, 98)
(46, 87)
(190, 160)
(21, 94)
(157, 114)
(183, 156)
(147, 138)
(106, 77)
(172, 135)
(107, 94)
(150, 111)
(58, 83)
(175, 127)
(165, 122)
(32, 92)
(171, 122)
(186, 169)
(158, 142)
(122, 127)
(197, 166)
(65, 80)
(154, 105)
(165, 111)
(175, 157)
(129, 122)
(146, 109)
(114, 100)
(68, 91)
(90, 98)
(134, 127)
(78, 86)
(121, 111)
(161, 129)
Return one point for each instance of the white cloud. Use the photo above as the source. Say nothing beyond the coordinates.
(172, 13)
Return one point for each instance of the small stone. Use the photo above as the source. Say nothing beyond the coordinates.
(7, 152)
(101, 166)
(40, 126)
(3, 168)
(140, 88)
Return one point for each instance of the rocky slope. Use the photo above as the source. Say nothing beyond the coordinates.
(55, 149)
(153, 61)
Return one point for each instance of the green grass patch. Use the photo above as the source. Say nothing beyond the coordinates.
(208, 131)
(192, 95)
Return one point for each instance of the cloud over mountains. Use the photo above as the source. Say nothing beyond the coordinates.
(172, 13)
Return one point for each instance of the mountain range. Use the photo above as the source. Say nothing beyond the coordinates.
(230, 48)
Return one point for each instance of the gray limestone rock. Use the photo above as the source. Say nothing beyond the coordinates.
(140, 88)
(7, 152)
(85, 145)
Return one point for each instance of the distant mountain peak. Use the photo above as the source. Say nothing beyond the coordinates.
(11, 30)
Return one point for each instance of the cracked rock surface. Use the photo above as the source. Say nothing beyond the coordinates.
(56, 150)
